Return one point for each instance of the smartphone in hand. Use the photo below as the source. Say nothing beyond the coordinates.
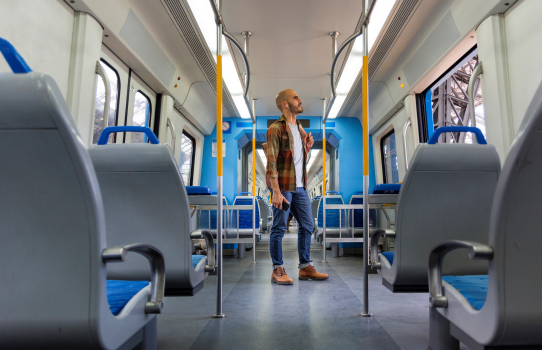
(285, 205)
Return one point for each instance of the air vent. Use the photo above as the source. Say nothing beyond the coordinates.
(406, 9)
(181, 16)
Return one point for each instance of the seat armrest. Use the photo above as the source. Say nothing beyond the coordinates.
(158, 270)
(477, 251)
(375, 237)
(205, 234)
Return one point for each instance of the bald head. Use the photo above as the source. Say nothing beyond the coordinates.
(283, 97)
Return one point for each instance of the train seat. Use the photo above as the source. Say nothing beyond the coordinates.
(511, 314)
(53, 254)
(446, 194)
(265, 220)
(336, 224)
(355, 223)
(242, 219)
(204, 223)
(145, 200)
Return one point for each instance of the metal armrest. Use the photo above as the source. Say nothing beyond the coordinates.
(158, 270)
(477, 251)
(375, 237)
(205, 234)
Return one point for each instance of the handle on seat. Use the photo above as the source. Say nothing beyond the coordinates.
(158, 270)
(173, 135)
(477, 251)
(205, 234)
(242, 193)
(337, 193)
(16, 62)
(113, 129)
(479, 136)
(375, 237)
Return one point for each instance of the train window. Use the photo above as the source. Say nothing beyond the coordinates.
(450, 103)
(141, 117)
(114, 86)
(389, 158)
(186, 165)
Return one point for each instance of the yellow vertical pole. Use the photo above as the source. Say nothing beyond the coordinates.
(253, 166)
(324, 161)
(365, 130)
(324, 176)
(365, 119)
(219, 166)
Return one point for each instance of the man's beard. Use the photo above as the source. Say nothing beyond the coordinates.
(294, 109)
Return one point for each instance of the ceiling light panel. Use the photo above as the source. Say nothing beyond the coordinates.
(203, 13)
(354, 62)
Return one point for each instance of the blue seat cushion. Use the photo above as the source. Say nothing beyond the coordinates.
(389, 256)
(198, 190)
(119, 293)
(473, 288)
(196, 259)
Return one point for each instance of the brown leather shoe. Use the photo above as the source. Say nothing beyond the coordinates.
(279, 276)
(309, 273)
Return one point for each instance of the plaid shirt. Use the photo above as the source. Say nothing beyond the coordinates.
(280, 154)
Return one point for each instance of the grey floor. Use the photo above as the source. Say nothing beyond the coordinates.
(309, 314)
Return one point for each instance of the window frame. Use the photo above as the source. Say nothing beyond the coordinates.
(193, 139)
(383, 156)
(118, 94)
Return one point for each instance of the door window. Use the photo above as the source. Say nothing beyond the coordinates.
(389, 158)
(188, 146)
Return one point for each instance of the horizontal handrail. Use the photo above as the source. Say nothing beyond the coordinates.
(337, 193)
(129, 128)
(15, 61)
(479, 136)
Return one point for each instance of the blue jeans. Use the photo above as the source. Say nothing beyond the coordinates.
(300, 206)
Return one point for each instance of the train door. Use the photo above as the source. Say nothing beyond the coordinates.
(141, 105)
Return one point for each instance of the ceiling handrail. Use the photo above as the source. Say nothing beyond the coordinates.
(231, 38)
(351, 38)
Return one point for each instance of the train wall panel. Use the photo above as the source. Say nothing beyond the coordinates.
(42, 33)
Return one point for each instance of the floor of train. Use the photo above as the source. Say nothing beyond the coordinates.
(308, 314)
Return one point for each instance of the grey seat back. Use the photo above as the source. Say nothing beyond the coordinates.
(52, 227)
(263, 213)
(314, 207)
(446, 194)
(145, 200)
(515, 276)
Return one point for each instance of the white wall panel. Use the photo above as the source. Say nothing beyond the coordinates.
(523, 30)
(41, 31)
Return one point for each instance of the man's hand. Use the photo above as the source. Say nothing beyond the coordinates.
(277, 199)
(309, 141)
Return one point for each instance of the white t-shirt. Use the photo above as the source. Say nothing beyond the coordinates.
(298, 155)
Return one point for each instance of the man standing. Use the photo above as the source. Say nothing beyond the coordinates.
(287, 148)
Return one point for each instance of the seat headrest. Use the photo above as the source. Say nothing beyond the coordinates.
(24, 97)
(132, 157)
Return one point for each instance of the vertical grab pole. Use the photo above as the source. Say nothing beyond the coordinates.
(219, 161)
(254, 181)
(365, 127)
(324, 178)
